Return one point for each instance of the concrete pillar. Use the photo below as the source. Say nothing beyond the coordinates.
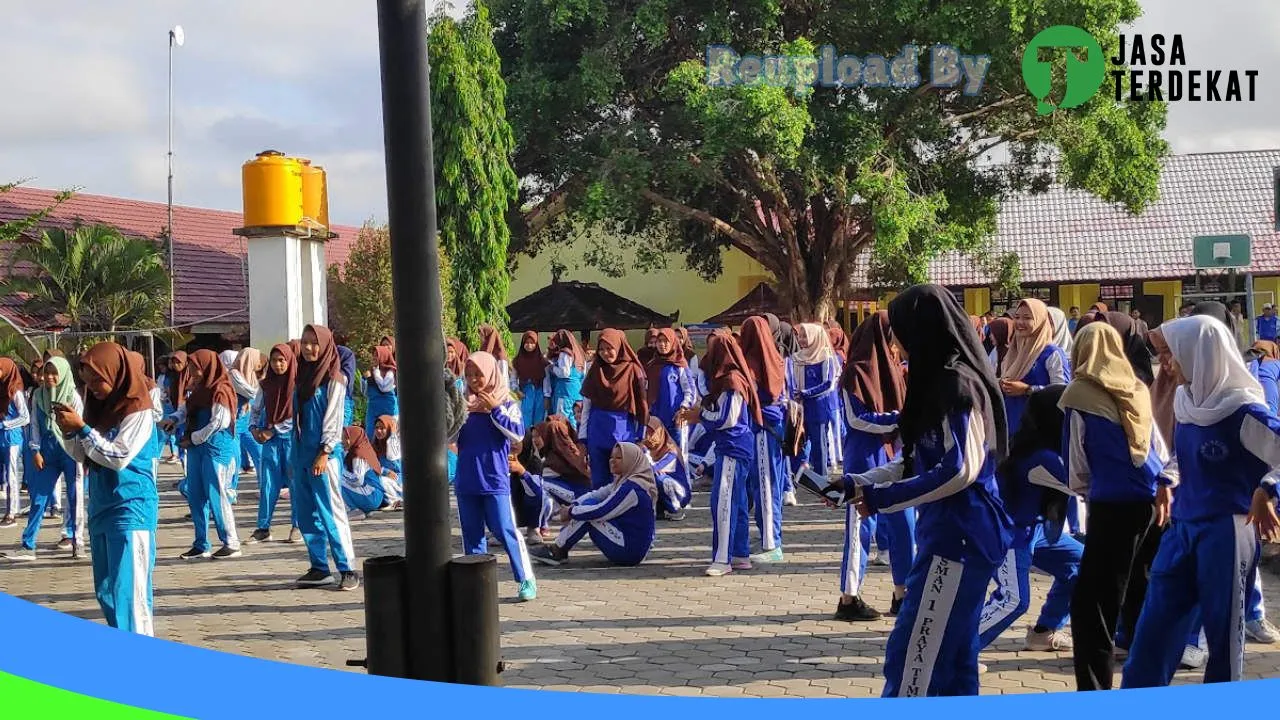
(275, 290)
(314, 301)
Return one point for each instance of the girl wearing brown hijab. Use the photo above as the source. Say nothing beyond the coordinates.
(729, 412)
(616, 402)
(455, 357)
(317, 462)
(210, 417)
(115, 443)
(530, 375)
(16, 417)
(365, 487)
(567, 368)
(383, 396)
(272, 425)
(767, 476)
(839, 341)
(996, 336)
(552, 471)
(872, 390)
(668, 385)
(669, 469)
(491, 342)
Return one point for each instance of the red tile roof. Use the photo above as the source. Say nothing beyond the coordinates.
(1069, 235)
(209, 270)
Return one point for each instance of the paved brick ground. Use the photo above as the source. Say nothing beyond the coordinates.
(661, 628)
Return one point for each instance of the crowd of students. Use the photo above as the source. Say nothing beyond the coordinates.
(1135, 467)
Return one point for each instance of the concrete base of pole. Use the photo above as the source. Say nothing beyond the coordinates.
(477, 647)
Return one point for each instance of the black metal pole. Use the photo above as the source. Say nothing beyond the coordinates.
(415, 277)
(473, 580)
(385, 616)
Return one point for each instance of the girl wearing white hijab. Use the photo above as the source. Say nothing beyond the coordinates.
(1227, 447)
(1061, 329)
(817, 372)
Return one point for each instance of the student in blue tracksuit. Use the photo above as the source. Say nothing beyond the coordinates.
(355, 383)
(175, 388)
(1113, 454)
(272, 426)
(784, 338)
(817, 372)
(766, 476)
(483, 484)
(618, 517)
(552, 471)
(15, 418)
(729, 409)
(386, 443)
(615, 403)
(1265, 367)
(1227, 447)
(529, 372)
(320, 393)
(669, 471)
(383, 397)
(566, 372)
(364, 488)
(246, 374)
(872, 390)
(455, 364)
(1033, 360)
(51, 460)
(210, 417)
(952, 430)
(667, 379)
(115, 441)
(169, 440)
(1033, 487)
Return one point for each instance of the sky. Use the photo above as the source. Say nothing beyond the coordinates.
(85, 101)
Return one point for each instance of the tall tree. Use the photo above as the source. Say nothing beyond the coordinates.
(95, 276)
(360, 299)
(616, 121)
(475, 183)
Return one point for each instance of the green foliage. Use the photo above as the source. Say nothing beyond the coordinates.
(96, 277)
(360, 291)
(475, 183)
(12, 231)
(610, 102)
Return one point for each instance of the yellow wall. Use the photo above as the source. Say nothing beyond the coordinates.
(977, 301)
(1170, 290)
(1081, 296)
(1265, 290)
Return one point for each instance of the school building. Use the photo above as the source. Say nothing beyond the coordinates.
(1074, 249)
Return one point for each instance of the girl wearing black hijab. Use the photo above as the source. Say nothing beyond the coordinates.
(953, 432)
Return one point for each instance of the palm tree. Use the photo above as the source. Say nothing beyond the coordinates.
(95, 276)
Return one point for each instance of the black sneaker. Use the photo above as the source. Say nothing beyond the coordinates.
(549, 554)
(315, 578)
(194, 554)
(259, 536)
(676, 517)
(856, 611)
(65, 544)
(7, 521)
(350, 581)
(895, 606)
(226, 552)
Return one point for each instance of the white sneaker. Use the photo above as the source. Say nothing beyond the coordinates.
(982, 668)
(789, 498)
(719, 569)
(879, 559)
(1261, 631)
(21, 555)
(1048, 641)
(1194, 658)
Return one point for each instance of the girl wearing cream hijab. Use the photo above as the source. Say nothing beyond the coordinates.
(1033, 361)
(817, 372)
(1114, 455)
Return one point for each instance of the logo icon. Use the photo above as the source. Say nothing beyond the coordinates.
(1084, 77)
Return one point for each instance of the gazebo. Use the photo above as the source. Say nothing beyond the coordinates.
(583, 307)
(760, 300)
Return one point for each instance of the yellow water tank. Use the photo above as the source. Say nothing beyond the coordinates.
(315, 193)
(272, 190)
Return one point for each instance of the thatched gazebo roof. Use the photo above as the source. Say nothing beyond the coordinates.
(760, 300)
(581, 306)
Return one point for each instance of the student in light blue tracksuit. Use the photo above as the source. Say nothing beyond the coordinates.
(669, 471)
(729, 408)
(817, 373)
(319, 400)
(52, 461)
(615, 403)
(210, 417)
(16, 417)
(355, 384)
(618, 517)
(529, 376)
(1033, 360)
(667, 379)
(483, 484)
(872, 390)
(953, 433)
(562, 476)
(246, 373)
(1113, 454)
(565, 374)
(116, 443)
(1033, 487)
(766, 476)
(364, 486)
(272, 425)
(175, 396)
(383, 395)
(1227, 448)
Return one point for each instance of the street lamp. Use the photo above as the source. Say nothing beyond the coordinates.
(176, 38)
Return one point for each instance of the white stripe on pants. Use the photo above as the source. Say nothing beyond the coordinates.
(930, 627)
(140, 606)
(12, 479)
(724, 510)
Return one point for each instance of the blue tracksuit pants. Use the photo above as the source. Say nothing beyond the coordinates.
(730, 521)
(1205, 562)
(322, 514)
(209, 473)
(274, 465)
(765, 487)
(42, 486)
(824, 448)
(1012, 595)
(573, 532)
(123, 561)
(475, 512)
(933, 648)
